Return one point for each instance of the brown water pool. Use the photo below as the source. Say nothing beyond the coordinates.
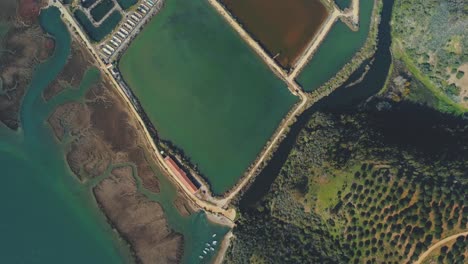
(283, 27)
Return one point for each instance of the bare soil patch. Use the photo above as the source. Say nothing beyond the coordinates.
(138, 219)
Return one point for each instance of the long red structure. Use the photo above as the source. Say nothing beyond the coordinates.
(181, 175)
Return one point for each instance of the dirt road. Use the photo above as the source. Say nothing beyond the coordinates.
(438, 244)
(314, 44)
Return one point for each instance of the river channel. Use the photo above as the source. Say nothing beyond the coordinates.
(343, 97)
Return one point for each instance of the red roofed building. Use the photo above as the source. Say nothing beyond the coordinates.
(181, 175)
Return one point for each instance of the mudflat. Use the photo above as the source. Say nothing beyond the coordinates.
(102, 135)
(138, 219)
(23, 47)
(284, 28)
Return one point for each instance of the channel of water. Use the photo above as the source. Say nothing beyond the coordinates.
(343, 97)
(50, 217)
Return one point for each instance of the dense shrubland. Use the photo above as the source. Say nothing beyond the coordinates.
(378, 185)
(432, 37)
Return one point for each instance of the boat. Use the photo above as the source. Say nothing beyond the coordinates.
(214, 235)
(201, 257)
(204, 252)
(215, 242)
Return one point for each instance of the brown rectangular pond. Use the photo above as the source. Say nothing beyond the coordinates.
(283, 27)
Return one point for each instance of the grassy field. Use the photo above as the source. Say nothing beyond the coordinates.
(205, 90)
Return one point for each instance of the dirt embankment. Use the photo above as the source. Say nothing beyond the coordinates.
(139, 220)
(101, 132)
(23, 47)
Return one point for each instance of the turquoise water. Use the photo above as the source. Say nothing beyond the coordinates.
(337, 49)
(47, 215)
(197, 229)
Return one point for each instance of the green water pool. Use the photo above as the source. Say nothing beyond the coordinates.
(96, 34)
(205, 90)
(343, 4)
(337, 49)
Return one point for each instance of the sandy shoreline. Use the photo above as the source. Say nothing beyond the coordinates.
(223, 248)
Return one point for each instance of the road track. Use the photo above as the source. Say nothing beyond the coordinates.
(438, 244)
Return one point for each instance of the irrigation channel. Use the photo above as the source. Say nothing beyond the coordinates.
(342, 98)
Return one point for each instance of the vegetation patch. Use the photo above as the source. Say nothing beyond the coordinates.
(96, 34)
(406, 82)
(380, 185)
(432, 38)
